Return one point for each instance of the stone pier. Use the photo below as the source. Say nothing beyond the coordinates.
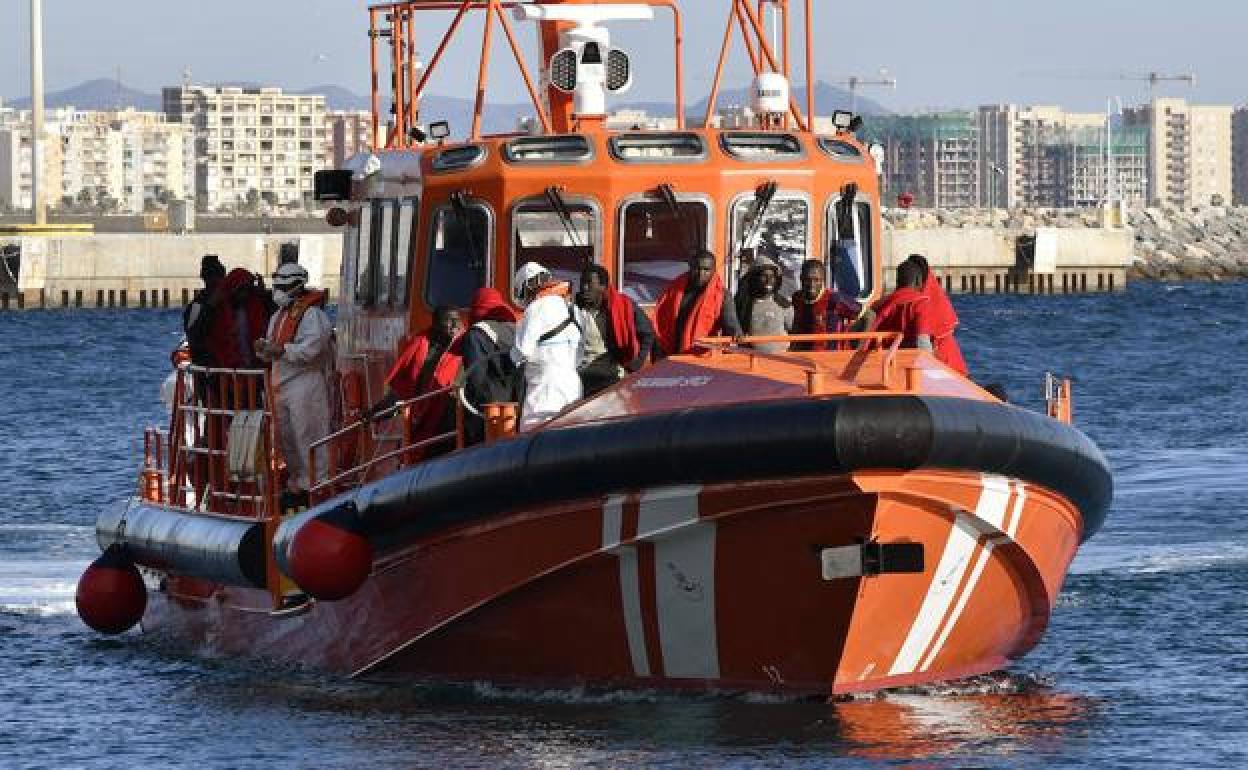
(143, 269)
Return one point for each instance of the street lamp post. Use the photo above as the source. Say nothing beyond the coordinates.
(38, 213)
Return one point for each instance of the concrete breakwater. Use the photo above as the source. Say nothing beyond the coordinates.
(968, 254)
(1206, 243)
(143, 269)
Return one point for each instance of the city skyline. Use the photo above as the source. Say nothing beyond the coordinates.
(939, 58)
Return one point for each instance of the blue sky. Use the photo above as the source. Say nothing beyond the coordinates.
(944, 54)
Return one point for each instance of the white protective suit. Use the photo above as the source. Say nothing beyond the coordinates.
(551, 381)
(300, 376)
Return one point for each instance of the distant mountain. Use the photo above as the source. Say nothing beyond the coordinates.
(103, 94)
(338, 98)
(99, 94)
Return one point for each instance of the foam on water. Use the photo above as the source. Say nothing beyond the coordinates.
(1154, 559)
(39, 587)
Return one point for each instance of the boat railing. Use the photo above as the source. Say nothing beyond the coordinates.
(217, 455)
(838, 374)
(344, 469)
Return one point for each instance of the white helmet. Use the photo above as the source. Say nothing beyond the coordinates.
(290, 277)
(529, 278)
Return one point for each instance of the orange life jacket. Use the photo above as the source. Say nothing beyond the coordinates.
(289, 317)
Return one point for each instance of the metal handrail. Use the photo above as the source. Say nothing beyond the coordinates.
(361, 470)
(874, 340)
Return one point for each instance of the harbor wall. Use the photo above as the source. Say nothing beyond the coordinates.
(162, 270)
(996, 259)
(148, 270)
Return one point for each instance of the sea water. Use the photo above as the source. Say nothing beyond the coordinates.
(1145, 661)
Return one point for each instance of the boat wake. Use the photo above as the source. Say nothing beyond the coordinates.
(1169, 558)
(39, 588)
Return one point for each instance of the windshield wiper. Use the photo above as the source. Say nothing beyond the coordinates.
(763, 196)
(557, 204)
(459, 205)
(691, 235)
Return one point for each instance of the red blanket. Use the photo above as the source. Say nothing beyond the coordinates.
(703, 319)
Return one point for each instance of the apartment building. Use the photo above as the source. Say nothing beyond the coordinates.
(1190, 159)
(128, 158)
(935, 158)
(1239, 157)
(251, 144)
(16, 167)
(347, 133)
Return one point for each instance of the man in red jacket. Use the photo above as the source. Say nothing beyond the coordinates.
(616, 335)
(907, 310)
(944, 318)
(694, 305)
(429, 362)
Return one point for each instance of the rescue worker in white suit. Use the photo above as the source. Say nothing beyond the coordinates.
(548, 345)
(298, 345)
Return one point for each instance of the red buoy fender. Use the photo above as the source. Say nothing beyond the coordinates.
(329, 557)
(111, 596)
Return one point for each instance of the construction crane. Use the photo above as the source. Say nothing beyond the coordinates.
(1154, 79)
(854, 82)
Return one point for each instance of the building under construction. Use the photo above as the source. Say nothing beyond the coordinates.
(933, 158)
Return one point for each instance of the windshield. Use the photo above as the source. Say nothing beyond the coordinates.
(781, 236)
(656, 244)
(564, 248)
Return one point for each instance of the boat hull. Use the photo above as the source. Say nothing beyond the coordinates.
(714, 586)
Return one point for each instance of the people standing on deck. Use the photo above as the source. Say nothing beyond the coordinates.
(428, 363)
(820, 310)
(618, 336)
(548, 345)
(694, 305)
(299, 348)
(761, 311)
(944, 318)
(907, 310)
(488, 371)
(197, 319)
(241, 317)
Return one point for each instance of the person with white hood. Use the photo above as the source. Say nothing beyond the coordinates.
(548, 345)
(298, 346)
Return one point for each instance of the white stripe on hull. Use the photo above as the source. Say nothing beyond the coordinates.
(631, 594)
(630, 591)
(993, 540)
(934, 620)
(684, 563)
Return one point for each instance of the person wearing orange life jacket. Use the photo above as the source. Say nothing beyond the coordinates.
(299, 348)
(548, 345)
(694, 305)
(907, 310)
(429, 362)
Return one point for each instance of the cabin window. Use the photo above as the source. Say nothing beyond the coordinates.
(458, 158)
(848, 274)
(365, 270)
(657, 241)
(777, 232)
(762, 146)
(385, 250)
(351, 255)
(540, 234)
(564, 148)
(459, 251)
(657, 147)
(840, 149)
(403, 251)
